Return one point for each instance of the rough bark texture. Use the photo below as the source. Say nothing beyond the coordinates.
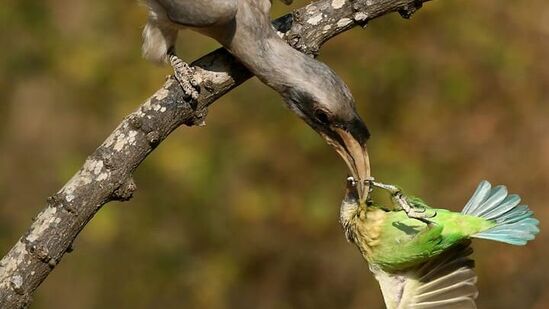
(107, 173)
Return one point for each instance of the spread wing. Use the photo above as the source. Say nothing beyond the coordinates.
(447, 281)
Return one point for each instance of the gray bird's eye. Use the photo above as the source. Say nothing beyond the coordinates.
(321, 116)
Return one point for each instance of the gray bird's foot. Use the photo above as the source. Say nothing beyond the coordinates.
(418, 213)
(184, 74)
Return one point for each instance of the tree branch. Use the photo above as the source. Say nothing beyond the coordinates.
(107, 173)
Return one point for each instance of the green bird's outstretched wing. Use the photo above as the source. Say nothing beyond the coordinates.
(447, 281)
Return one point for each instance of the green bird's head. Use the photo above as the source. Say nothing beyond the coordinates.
(349, 210)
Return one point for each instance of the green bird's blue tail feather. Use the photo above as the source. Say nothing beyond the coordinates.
(515, 224)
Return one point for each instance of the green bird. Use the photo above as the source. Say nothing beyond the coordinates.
(419, 254)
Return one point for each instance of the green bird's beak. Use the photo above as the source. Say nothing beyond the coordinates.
(351, 192)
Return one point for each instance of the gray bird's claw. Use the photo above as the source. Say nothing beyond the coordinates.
(184, 74)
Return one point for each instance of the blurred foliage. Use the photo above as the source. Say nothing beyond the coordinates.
(243, 213)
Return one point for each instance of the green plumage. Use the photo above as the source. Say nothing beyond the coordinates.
(392, 241)
(421, 257)
(403, 242)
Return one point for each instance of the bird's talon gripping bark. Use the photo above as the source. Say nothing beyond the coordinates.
(184, 74)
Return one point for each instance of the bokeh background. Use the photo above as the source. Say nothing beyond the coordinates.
(243, 213)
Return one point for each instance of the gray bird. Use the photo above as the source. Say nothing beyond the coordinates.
(309, 88)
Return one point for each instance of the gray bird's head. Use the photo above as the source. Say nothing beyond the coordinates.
(324, 101)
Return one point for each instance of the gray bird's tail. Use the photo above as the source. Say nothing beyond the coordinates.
(515, 224)
(158, 36)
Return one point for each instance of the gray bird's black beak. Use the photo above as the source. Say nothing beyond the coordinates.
(350, 143)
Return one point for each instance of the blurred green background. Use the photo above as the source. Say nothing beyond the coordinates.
(243, 213)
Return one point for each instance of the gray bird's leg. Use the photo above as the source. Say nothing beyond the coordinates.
(400, 198)
(184, 74)
(201, 14)
(167, 17)
(158, 46)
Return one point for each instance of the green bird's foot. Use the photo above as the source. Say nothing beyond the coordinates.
(414, 212)
(421, 216)
(418, 213)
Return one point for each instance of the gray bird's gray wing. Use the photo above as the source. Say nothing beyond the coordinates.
(447, 281)
(199, 13)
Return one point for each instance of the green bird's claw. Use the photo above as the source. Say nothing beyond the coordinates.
(423, 217)
(412, 211)
(394, 190)
(419, 216)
